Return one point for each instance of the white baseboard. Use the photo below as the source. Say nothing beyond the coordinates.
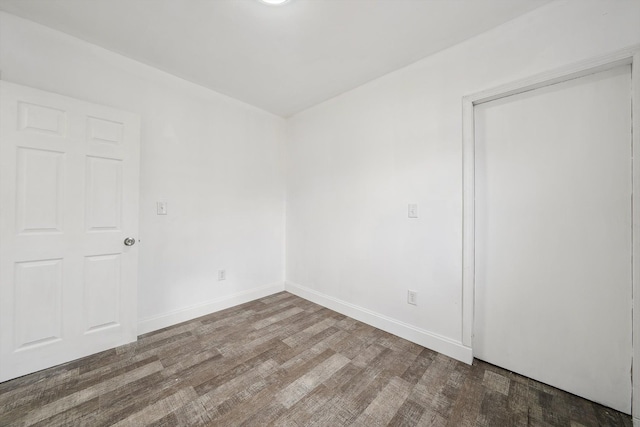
(636, 422)
(411, 333)
(188, 313)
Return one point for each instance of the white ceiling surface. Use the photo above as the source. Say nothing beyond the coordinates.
(284, 58)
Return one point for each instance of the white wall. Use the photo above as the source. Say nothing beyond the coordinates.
(217, 162)
(356, 161)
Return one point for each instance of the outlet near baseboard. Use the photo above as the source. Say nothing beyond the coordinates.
(412, 297)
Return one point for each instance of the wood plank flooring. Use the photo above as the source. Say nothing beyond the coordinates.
(284, 361)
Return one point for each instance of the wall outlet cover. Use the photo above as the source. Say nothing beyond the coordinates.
(412, 297)
(161, 208)
(413, 210)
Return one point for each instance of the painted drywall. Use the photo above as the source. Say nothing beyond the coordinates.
(355, 162)
(218, 163)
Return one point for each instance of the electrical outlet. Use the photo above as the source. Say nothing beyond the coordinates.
(412, 297)
(161, 208)
(222, 275)
(412, 211)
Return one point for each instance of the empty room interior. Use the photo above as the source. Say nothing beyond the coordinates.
(319, 212)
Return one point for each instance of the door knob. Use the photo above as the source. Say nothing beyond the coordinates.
(129, 241)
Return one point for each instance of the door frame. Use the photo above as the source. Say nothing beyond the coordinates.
(627, 56)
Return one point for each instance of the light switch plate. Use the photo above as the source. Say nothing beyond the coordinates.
(412, 297)
(162, 208)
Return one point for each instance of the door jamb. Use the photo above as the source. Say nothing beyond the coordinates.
(627, 56)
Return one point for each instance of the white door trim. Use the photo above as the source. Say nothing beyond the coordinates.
(625, 56)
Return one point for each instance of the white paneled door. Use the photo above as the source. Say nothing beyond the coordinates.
(553, 235)
(69, 198)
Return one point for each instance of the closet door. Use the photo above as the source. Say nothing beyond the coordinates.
(553, 235)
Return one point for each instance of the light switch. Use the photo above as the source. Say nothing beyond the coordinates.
(162, 208)
(413, 210)
(412, 297)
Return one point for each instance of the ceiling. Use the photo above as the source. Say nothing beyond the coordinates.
(284, 58)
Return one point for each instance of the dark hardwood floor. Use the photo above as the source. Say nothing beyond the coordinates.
(285, 361)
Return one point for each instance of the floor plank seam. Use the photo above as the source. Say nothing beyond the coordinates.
(284, 361)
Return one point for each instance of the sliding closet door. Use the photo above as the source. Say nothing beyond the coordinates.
(553, 235)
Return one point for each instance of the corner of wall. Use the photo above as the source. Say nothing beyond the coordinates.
(188, 313)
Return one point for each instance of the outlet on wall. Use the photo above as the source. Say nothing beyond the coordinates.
(222, 275)
(412, 210)
(412, 297)
(161, 208)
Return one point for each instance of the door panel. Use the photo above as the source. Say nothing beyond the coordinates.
(42, 119)
(38, 298)
(40, 191)
(69, 198)
(104, 194)
(553, 235)
(101, 291)
(105, 131)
